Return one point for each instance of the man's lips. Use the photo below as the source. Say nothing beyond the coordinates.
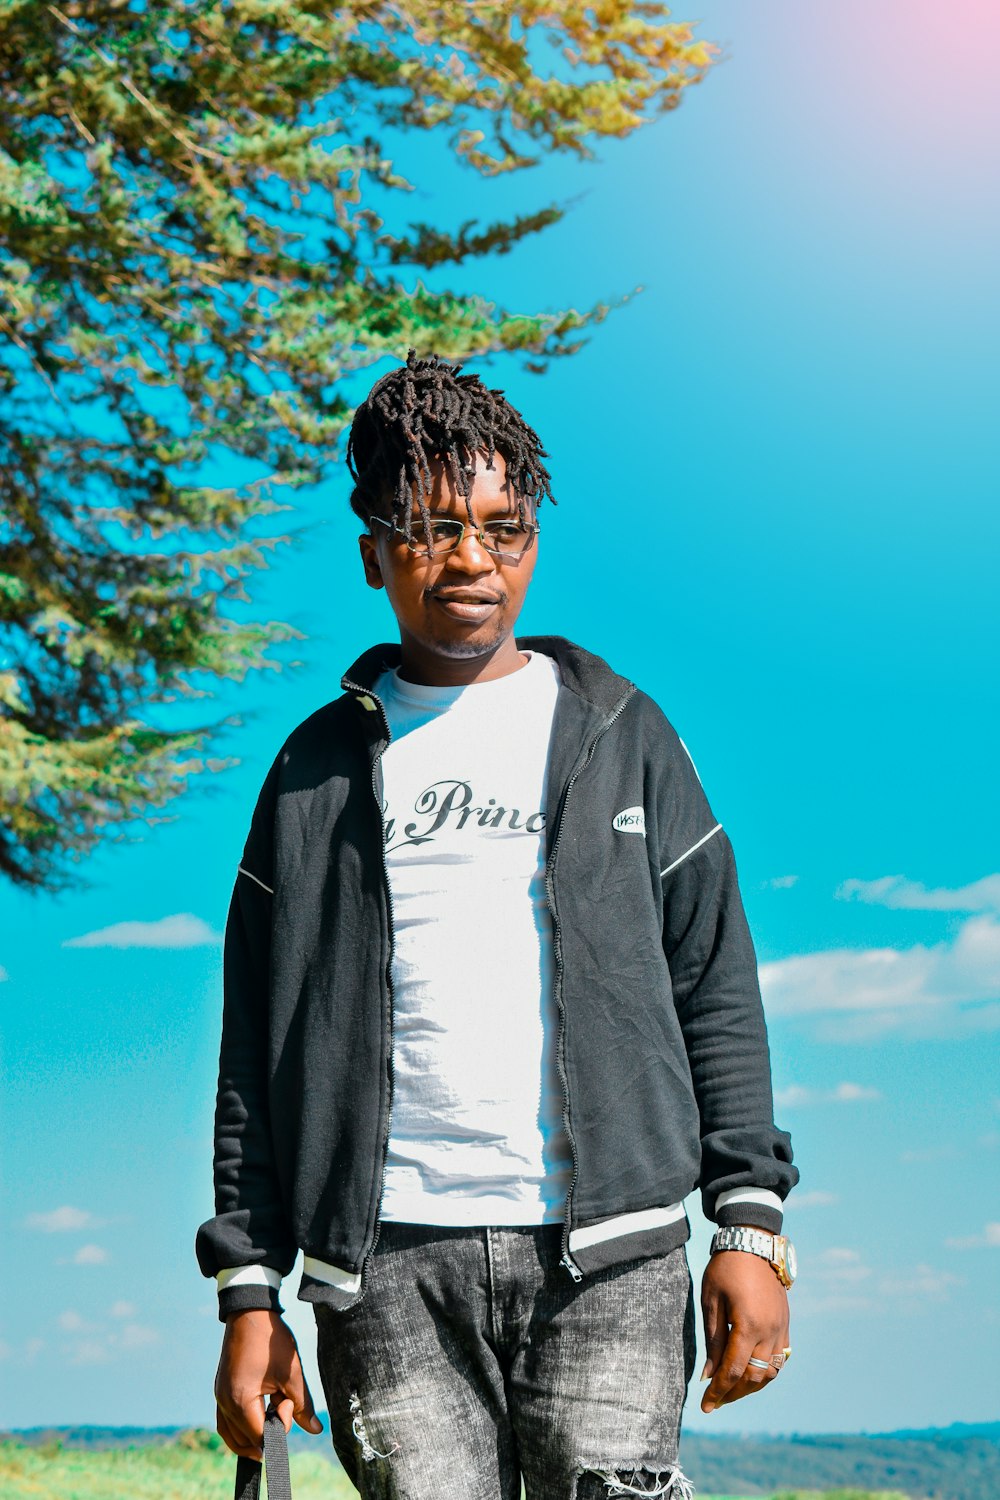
(468, 604)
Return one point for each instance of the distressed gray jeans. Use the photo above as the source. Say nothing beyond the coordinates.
(473, 1361)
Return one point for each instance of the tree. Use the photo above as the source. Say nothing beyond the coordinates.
(190, 268)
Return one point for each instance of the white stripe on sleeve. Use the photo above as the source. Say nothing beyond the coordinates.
(703, 840)
(763, 1196)
(247, 1276)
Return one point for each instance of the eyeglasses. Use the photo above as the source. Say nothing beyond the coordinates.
(509, 539)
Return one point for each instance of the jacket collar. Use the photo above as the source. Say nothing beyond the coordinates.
(583, 672)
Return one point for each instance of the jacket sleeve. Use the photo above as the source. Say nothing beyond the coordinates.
(248, 1246)
(746, 1170)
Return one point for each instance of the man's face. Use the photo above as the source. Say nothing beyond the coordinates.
(456, 611)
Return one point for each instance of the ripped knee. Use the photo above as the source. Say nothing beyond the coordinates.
(638, 1479)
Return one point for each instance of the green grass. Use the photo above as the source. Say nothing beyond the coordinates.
(199, 1466)
(848, 1494)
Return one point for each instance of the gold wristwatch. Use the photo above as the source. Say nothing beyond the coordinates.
(776, 1249)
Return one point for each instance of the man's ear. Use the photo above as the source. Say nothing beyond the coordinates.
(370, 562)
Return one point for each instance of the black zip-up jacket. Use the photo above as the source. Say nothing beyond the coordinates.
(662, 1046)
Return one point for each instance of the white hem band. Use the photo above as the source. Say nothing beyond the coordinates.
(634, 1223)
(319, 1270)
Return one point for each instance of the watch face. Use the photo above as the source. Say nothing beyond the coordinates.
(790, 1260)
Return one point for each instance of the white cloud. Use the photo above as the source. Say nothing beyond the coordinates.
(929, 1153)
(814, 1198)
(795, 1093)
(781, 882)
(909, 895)
(840, 1264)
(97, 1344)
(838, 1255)
(122, 1310)
(838, 1300)
(71, 1322)
(990, 1236)
(90, 1255)
(184, 930)
(135, 1336)
(89, 1352)
(58, 1219)
(844, 1093)
(839, 1279)
(850, 1092)
(954, 984)
(3, 974)
(922, 1282)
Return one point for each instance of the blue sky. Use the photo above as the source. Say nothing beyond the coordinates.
(777, 477)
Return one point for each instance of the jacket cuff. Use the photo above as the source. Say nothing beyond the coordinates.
(244, 1287)
(760, 1207)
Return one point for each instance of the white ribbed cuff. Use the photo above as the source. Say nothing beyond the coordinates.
(763, 1196)
(248, 1276)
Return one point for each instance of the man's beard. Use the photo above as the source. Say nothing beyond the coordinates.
(462, 649)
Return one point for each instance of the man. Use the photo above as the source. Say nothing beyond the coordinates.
(491, 1012)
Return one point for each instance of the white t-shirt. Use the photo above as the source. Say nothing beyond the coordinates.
(476, 1133)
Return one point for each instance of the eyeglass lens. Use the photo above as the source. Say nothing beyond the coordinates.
(504, 537)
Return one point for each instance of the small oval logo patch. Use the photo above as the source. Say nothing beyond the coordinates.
(630, 820)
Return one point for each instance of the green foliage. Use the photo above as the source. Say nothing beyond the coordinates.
(196, 1466)
(190, 267)
(75, 1463)
(840, 1495)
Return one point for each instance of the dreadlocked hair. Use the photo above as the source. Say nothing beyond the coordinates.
(427, 409)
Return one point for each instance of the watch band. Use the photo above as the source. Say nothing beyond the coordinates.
(742, 1237)
(774, 1248)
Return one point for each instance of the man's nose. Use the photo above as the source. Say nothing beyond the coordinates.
(470, 556)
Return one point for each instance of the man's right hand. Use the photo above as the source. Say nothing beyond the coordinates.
(259, 1357)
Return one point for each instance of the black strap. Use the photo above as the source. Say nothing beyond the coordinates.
(279, 1480)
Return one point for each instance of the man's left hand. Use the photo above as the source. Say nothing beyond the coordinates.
(745, 1312)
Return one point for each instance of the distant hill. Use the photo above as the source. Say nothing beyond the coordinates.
(96, 1438)
(959, 1462)
(988, 1430)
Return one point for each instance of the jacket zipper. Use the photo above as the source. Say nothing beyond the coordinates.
(388, 983)
(567, 1260)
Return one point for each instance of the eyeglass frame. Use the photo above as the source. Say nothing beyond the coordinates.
(534, 527)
